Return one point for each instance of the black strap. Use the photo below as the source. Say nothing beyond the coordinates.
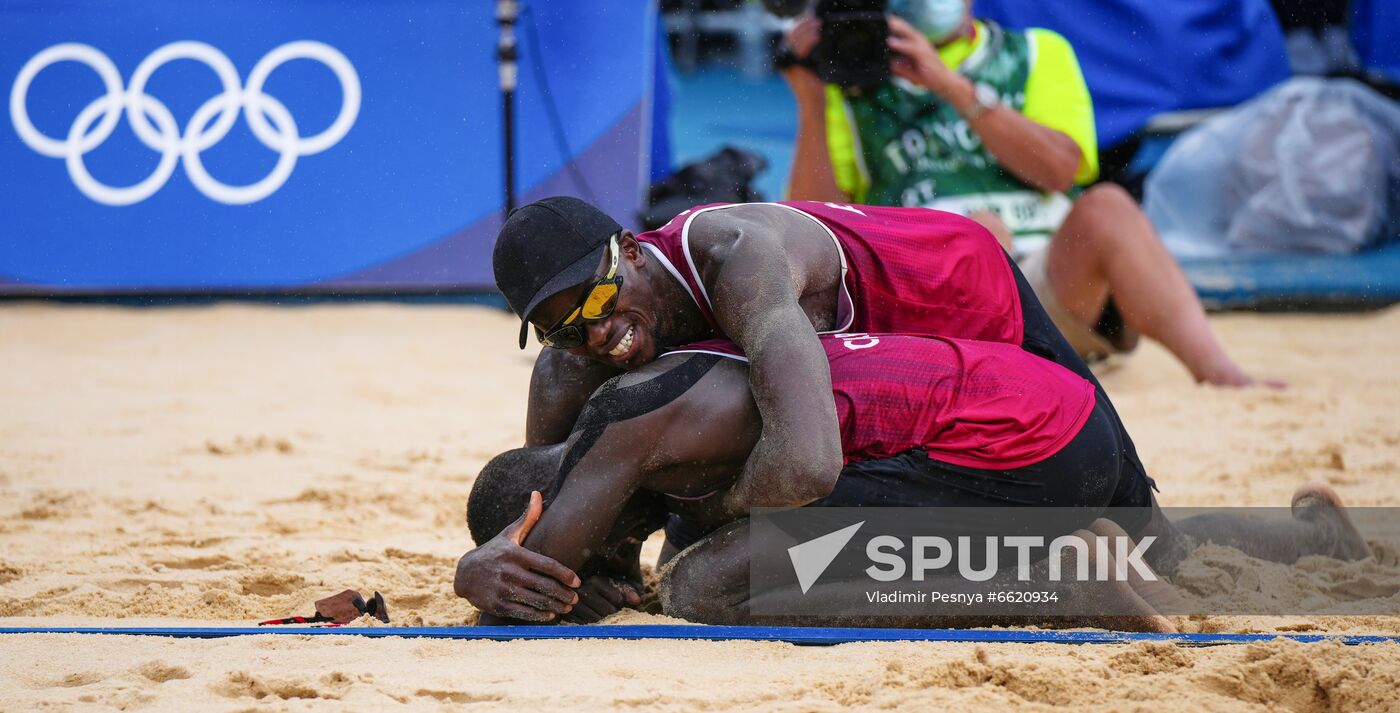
(613, 404)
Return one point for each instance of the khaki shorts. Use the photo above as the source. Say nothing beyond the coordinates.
(1090, 344)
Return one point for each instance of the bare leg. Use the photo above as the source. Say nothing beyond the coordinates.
(1319, 526)
(709, 583)
(1106, 245)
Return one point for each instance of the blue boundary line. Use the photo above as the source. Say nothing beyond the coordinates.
(816, 636)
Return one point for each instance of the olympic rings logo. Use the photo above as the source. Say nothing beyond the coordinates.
(155, 126)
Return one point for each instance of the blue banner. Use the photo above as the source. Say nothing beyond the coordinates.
(231, 145)
(1375, 26)
(1144, 57)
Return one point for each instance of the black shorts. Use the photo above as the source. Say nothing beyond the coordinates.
(1090, 473)
(1041, 337)
(912, 479)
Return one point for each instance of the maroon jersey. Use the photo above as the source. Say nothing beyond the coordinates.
(976, 404)
(905, 270)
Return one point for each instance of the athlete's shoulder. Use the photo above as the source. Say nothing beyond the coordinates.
(712, 231)
(669, 367)
(677, 226)
(732, 213)
(652, 391)
(718, 347)
(684, 217)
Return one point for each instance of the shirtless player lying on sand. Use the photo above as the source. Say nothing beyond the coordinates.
(925, 422)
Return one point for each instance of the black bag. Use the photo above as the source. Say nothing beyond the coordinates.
(724, 177)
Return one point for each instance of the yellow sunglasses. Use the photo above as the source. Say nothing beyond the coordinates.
(598, 302)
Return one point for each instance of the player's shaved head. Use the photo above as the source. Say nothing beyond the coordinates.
(502, 490)
(501, 494)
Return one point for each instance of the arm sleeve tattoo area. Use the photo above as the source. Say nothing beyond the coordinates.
(613, 404)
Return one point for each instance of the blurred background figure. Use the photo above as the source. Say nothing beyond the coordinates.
(1052, 153)
(998, 125)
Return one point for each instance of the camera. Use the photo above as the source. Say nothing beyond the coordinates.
(852, 52)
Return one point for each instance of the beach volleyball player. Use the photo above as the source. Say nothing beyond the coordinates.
(769, 277)
(924, 422)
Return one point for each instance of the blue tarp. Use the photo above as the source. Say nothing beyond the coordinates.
(1144, 57)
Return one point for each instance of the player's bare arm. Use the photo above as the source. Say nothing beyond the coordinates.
(757, 262)
(638, 431)
(635, 433)
(559, 386)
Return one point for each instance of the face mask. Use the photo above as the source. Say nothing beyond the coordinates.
(937, 19)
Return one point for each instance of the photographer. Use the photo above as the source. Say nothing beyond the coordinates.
(997, 125)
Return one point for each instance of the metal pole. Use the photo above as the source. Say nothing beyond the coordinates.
(506, 55)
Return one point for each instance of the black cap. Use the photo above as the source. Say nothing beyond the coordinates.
(547, 247)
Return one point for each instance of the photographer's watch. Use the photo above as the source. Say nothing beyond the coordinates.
(984, 99)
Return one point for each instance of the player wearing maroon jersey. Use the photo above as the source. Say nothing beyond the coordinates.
(924, 422)
(768, 277)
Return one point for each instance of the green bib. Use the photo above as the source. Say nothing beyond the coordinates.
(918, 151)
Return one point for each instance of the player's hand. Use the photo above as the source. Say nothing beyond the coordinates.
(915, 57)
(503, 578)
(601, 596)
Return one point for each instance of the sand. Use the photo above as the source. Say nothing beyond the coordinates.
(225, 464)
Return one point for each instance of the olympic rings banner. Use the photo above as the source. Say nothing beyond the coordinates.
(239, 146)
